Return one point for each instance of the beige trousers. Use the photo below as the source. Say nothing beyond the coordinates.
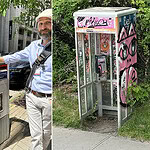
(39, 115)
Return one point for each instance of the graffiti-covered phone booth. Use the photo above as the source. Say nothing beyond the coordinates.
(106, 50)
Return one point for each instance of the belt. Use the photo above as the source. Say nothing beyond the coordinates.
(39, 94)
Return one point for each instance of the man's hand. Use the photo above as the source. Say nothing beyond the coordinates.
(1, 60)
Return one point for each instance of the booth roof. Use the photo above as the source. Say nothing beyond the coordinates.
(105, 11)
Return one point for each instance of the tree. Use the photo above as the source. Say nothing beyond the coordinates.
(31, 8)
(143, 35)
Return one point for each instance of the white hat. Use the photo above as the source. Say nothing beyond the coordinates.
(46, 13)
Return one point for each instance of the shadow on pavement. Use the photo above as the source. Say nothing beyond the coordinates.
(26, 130)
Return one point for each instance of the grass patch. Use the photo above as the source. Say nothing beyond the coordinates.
(65, 109)
(138, 126)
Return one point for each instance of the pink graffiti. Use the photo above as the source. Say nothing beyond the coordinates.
(127, 48)
(127, 58)
(128, 77)
(96, 22)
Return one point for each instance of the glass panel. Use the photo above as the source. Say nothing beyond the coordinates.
(1, 103)
(95, 99)
(97, 43)
(129, 110)
(89, 97)
(29, 33)
(20, 44)
(34, 35)
(106, 93)
(114, 66)
(108, 67)
(80, 57)
(92, 43)
(87, 57)
(83, 110)
(123, 112)
(28, 43)
(21, 31)
(114, 84)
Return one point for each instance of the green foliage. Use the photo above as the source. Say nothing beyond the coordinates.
(32, 9)
(63, 62)
(138, 126)
(65, 109)
(143, 36)
(138, 93)
(64, 57)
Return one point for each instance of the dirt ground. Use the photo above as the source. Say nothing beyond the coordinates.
(105, 124)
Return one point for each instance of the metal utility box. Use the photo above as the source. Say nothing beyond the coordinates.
(4, 102)
(106, 50)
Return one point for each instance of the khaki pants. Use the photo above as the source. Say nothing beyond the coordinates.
(39, 114)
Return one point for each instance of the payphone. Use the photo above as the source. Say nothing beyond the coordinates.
(4, 102)
(106, 50)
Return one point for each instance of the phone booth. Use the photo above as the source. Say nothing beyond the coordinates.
(106, 54)
(4, 102)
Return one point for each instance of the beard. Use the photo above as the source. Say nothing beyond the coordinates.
(45, 36)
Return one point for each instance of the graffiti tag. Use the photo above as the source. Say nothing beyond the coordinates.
(95, 22)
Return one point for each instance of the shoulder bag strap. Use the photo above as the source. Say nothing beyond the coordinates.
(40, 60)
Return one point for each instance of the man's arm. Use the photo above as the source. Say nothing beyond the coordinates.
(1, 60)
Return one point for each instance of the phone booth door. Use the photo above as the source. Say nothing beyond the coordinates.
(86, 67)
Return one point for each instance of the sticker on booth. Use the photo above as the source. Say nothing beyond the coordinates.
(105, 42)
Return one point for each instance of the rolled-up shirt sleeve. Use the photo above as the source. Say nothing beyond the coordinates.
(23, 54)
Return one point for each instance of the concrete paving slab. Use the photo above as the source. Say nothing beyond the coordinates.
(70, 139)
(120, 143)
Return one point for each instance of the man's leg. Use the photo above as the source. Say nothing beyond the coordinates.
(35, 121)
(46, 119)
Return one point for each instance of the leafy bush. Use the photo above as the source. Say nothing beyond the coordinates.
(141, 92)
(138, 93)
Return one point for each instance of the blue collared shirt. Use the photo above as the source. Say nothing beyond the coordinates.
(42, 79)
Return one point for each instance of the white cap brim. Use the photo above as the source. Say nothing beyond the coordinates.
(46, 13)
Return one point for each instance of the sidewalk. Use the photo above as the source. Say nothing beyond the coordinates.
(64, 138)
(70, 139)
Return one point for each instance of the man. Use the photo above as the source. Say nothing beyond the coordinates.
(38, 97)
